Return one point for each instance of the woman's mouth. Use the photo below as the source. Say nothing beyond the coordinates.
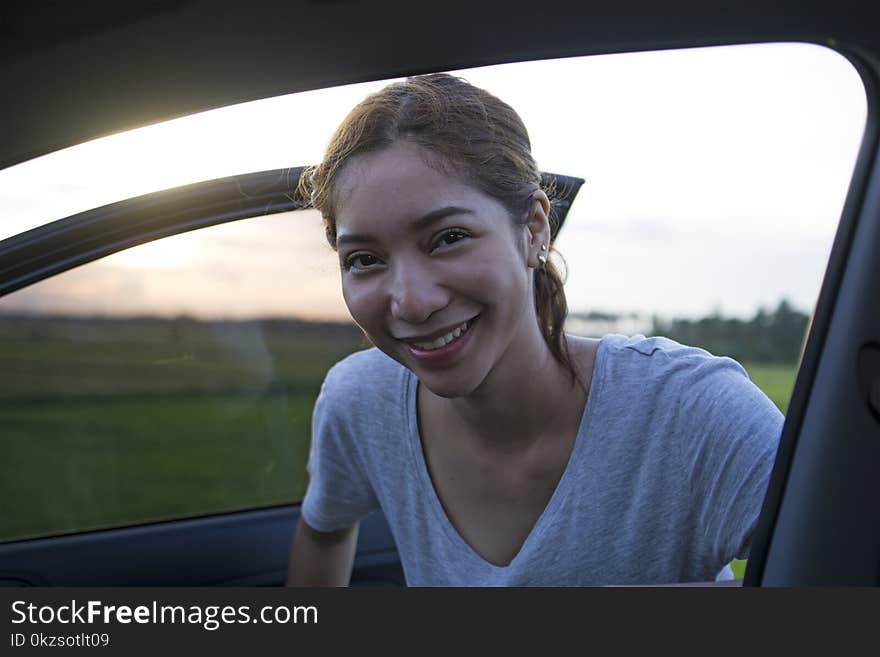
(445, 346)
(443, 340)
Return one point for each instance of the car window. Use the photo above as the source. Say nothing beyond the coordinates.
(176, 378)
(171, 380)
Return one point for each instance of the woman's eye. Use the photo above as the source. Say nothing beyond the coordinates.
(450, 237)
(361, 261)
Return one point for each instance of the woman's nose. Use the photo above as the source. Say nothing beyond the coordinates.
(416, 295)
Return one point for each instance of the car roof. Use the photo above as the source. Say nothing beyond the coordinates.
(74, 72)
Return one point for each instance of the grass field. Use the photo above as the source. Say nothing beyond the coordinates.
(110, 423)
(115, 423)
(776, 381)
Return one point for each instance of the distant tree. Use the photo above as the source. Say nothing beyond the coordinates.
(767, 338)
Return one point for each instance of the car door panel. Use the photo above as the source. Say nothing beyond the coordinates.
(818, 524)
(248, 548)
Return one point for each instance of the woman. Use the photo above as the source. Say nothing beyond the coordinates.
(501, 450)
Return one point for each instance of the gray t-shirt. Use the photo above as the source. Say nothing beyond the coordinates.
(664, 484)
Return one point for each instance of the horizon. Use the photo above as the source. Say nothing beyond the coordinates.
(594, 315)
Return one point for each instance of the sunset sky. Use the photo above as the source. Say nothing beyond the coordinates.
(715, 181)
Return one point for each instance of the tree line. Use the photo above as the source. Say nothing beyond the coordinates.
(769, 337)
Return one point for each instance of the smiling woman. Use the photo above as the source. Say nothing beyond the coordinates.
(435, 274)
(502, 450)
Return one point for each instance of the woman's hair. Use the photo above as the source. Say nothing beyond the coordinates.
(476, 137)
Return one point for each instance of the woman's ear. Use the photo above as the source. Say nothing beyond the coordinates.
(538, 226)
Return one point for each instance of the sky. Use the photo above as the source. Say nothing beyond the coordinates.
(715, 180)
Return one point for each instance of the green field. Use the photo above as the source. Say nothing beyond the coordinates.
(776, 381)
(119, 422)
(114, 423)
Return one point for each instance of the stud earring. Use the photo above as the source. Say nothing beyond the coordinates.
(541, 257)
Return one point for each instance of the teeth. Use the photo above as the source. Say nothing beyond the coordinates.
(443, 340)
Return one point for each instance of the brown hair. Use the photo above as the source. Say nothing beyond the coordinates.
(477, 136)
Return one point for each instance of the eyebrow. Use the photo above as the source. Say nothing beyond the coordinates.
(433, 217)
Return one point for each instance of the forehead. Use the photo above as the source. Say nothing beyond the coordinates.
(403, 179)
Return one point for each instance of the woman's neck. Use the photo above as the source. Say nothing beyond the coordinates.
(527, 398)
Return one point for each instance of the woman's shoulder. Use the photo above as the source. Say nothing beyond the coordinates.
(363, 372)
(656, 349)
(650, 345)
(661, 375)
(663, 360)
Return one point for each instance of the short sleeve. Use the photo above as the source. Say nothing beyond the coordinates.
(339, 493)
(729, 440)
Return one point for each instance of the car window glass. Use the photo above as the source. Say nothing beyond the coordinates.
(171, 380)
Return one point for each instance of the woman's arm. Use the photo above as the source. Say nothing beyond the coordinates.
(321, 558)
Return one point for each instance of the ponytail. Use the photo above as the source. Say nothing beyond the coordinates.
(552, 309)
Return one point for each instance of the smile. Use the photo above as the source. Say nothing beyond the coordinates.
(444, 340)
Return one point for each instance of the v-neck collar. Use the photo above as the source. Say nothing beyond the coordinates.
(562, 490)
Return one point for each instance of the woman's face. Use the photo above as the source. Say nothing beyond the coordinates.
(433, 270)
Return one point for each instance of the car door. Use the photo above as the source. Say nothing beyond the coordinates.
(817, 525)
(179, 439)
